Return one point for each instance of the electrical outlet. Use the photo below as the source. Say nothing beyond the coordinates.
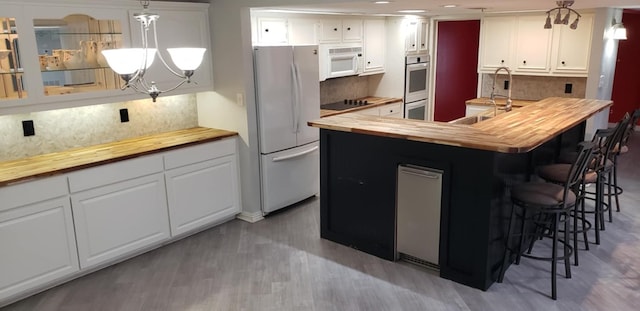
(124, 115)
(568, 88)
(240, 99)
(27, 128)
(506, 84)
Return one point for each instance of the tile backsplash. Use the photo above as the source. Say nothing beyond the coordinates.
(535, 87)
(58, 130)
(337, 89)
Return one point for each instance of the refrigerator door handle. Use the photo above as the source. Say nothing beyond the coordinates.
(295, 99)
(299, 95)
(295, 155)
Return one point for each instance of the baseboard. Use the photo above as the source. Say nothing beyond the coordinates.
(250, 217)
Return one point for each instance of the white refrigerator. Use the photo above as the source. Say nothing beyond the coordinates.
(287, 96)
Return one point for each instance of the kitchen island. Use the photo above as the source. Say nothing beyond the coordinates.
(360, 155)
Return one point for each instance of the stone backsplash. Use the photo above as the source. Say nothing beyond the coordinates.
(337, 89)
(535, 87)
(62, 129)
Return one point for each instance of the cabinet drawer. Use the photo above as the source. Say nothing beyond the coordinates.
(390, 109)
(199, 153)
(32, 191)
(114, 172)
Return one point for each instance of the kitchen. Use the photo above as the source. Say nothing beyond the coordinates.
(230, 110)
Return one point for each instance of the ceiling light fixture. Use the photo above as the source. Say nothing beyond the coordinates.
(382, 2)
(411, 11)
(619, 32)
(131, 64)
(559, 20)
(449, 6)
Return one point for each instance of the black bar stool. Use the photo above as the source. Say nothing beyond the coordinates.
(620, 149)
(546, 206)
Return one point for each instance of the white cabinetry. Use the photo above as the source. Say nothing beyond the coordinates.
(202, 185)
(497, 35)
(572, 48)
(36, 235)
(271, 31)
(374, 46)
(417, 37)
(533, 45)
(334, 30)
(179, 28)
(472, 110)
(520, 43)
(118, 208)
(303, 31)
(393, 110)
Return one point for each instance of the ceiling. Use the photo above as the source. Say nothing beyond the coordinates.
(435, 7)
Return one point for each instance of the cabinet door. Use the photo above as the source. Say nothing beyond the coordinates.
(411, 37)
(572, 47)
(533, 45)
(38, 245)
(374, 46)
(369, 111)
(12, 85)
(352, 30)
(391, 110)
(303, 31)
(178, 28)
(272, 31)
(119, 219)
(203, 193)
(330, 31)
(423, 36)
(496, 42)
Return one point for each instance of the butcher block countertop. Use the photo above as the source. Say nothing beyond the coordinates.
(373, 102)
(485, 101)
(518, 131)
(79, 158)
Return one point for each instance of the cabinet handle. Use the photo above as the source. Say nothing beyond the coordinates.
(348, 28)
(369, 63)
(502, 61)
(335, 29)
(266, 30)
(413, 45)
(423, 44)
(524, 62)
(563, 62)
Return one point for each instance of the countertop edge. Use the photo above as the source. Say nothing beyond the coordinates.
(216, 134)
(384, 101)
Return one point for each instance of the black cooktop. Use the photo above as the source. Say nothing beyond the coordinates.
(345, 104)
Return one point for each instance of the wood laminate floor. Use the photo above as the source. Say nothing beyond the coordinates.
(281, 263)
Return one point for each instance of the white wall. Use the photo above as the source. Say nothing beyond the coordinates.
(391, 84)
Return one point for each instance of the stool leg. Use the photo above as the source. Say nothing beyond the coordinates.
(609, 194)
(566, 247)
(575, 233)
(598, 207)
(507, 253)
(522, 235)
(584, 222)
(554, 257)
(615, 182)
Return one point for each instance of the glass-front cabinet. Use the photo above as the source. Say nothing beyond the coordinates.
(69, 53)
(11, 70)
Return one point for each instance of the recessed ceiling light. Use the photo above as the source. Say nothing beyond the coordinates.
(411, 11)
(450, 6)
(381, 2)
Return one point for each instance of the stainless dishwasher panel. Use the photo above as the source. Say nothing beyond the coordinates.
(418, 214)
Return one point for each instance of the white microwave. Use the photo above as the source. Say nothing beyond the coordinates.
(341, 61)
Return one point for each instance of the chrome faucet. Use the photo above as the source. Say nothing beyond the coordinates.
(507, 108)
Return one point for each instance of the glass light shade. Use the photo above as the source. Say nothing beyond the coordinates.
(558, 19)
(620, 33)
(547, 24)
(128, 61)
(187, 58)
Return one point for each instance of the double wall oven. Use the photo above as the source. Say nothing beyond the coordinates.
(416, 86)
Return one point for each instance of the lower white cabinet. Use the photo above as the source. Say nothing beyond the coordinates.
(119, 208)
(203, 188)
(37, 243)
(393, 110)
(472, 110)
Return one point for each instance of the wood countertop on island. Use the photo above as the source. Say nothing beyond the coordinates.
(80, 158)
(518, 131)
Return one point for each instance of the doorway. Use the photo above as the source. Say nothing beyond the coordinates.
(626, 94)
(456, 77)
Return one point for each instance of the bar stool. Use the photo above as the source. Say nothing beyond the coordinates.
(620, 149)
(546, 206)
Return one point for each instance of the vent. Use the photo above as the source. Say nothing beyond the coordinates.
(345, 50)
(418, 261)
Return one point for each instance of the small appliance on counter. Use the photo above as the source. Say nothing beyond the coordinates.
(416, 86)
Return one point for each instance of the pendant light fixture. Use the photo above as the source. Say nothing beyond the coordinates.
(132, 63)
(619, 32)
(559, 20)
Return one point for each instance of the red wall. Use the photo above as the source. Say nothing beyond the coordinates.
(626, 80)
(456, 68)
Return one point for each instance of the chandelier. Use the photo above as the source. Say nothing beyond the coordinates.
(563, 5)
(132, 63)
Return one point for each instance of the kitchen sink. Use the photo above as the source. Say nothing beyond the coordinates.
(471, 119)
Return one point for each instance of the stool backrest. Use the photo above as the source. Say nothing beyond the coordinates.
(630, 127)
(614, 144)
(586, 154)
(602, 139)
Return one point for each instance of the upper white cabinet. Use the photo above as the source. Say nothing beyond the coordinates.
(572, 48)
(496, 37)
(36, 235)
(374, 46)
(335, 30)
(271, 31)
(417, 37)
(178, 28)
(12, 86)
(522, 44)
(533, 44)
(303, 31)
